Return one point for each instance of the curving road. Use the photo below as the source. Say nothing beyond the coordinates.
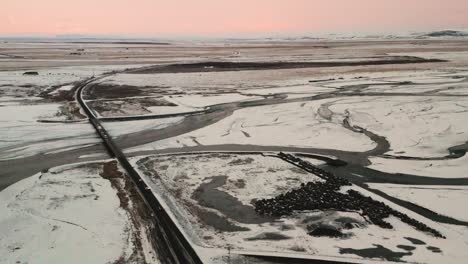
(173, 247)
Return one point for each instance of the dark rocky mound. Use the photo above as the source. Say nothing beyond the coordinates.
(434, 249)
(33, 73)
(326, 230)
(326, 196)
(406, 247)
(268, 236)
(415, 241)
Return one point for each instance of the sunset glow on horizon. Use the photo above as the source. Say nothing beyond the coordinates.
(224, 17)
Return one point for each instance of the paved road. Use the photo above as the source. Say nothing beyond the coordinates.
(173, 246)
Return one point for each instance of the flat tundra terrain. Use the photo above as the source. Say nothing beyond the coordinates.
(253, 151)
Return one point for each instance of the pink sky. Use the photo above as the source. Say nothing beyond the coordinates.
(225, 17)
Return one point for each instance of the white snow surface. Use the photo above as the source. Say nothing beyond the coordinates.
(23, 136)
(414, 126)
(69, 214)
(449, 168)
(116, 129)
(195, 101)
(20, 110)
(445, 200)
(13, 81)
(291, 124)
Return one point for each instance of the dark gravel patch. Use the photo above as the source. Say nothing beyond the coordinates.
(434, 249)
(378, 251)
(406, 247)
(415, 241)
(218, 222)
(268, 236)
(326, 196)
(216, 66)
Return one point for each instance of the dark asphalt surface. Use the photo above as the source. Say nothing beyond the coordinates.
(173, 246)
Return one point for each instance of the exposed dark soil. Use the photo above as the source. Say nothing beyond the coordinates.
(252, 259)
(131, 201)
(325, 230)
(434, 249)
(406, 247)
(71, 111)
(107, 91)
(240, 183)
(208, 195)
(60, 95)
(33, 73)
(415, 241)
(134, 106)
(238, 66)
(378, 251)
(241, 161)
(112, 91)
(218, 222)
(269, 236)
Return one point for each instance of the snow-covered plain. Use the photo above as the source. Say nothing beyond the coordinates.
(201, 101)
(15, 83)
(435, 198)
(116, 129)
(22, 108)
(291, 124)
(68, 214)
(23, 136)
(446, 168)
(424, 125)
(414, 126)
(251, 177)
(215, 84)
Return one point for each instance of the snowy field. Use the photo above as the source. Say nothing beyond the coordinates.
(117, 129)
(293, 124)
(23, 135)
(414, 126)
(28, 100)
(70, 213)
(186, 183)
(49, 80)
(449, 168)
(436, 198)
(399, 119)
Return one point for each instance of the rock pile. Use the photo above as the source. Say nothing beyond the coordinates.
(326, 196)
(329, 177)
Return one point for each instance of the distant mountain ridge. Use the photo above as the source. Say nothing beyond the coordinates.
(447, 33)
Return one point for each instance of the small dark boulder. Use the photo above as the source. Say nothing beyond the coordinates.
(32, 73)
(325, 230)
(434, 249)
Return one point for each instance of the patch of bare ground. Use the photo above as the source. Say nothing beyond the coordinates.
(59, 95)
(71, 111)
(112, 91)
(217, 66)
(133, 106)
(142, 223)
(20, 91)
